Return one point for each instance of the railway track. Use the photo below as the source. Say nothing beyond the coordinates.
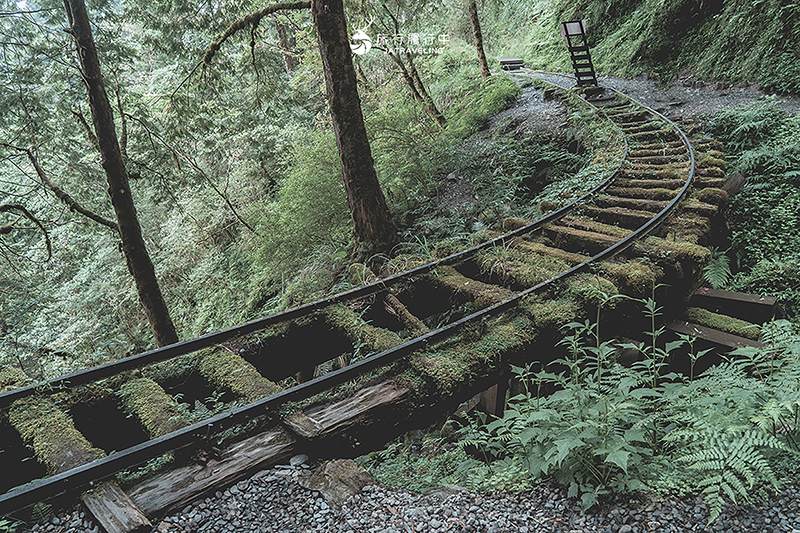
(219, 406)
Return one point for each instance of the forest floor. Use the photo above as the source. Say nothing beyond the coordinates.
(273, 501)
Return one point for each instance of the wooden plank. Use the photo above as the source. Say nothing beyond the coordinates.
(720, 338)
(115, 511)
(359, 409)
(754, 308)
(167, 491)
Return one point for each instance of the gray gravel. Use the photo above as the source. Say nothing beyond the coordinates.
(688, 98)
(272, 501)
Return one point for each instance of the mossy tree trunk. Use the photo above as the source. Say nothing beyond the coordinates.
(371, 223)
(476, 32)
(136, 256)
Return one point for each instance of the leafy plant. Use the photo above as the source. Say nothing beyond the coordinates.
(609, 428)
(8, 525)
(717, 272)
(420, 467)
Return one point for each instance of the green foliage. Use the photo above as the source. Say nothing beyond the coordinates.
(472, 112)
(717, 272)
(735, 41)
(765, 144)
(609, 428)
(732, 426)
(41, 511)
(8, 525)
(420, 467)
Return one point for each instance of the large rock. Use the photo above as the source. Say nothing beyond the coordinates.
(338, 480)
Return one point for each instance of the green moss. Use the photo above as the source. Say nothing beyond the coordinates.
(448, 246)
(599, 227)
(226, 370)
(11, 378)
(550, 314)
(157, 411)
(712, 195)
(680, 251)
(518, 265)
(634, 278)
(52, 434)
(689, 227)
(512, 223)
(709, 162)
(642, 192)
(724, 323)
(591, 290)
(458, 361)
(481, 294)
(351, 324)
(446, 371)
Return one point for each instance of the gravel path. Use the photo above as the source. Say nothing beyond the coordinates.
(688, 98)
(273, 502)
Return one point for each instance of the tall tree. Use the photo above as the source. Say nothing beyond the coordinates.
(133, 246)
(371, 223)
(476, 32)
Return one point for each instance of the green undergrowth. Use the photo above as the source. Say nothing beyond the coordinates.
(599, 428)
(712, 40)
(763, 143)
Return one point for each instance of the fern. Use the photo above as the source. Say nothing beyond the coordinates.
(727, 462)
(718, 270)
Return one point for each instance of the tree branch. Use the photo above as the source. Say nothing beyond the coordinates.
(59, 192)
(86, 128)
(250, 19)
(176, 153)
(5, 230)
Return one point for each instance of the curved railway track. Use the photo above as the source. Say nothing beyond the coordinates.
(506, 288)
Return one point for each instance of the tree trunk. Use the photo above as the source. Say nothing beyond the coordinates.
(476, 31)
(371, 224)
(407, 77)
(430, 105)
(136, 256)
(287, 46)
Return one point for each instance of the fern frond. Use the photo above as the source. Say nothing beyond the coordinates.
(718, 270)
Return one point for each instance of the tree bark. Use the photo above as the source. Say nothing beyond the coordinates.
(430, 105)
(407, 77)
(371, 223)
(476, 31)
(287, 44)
(136, 256)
